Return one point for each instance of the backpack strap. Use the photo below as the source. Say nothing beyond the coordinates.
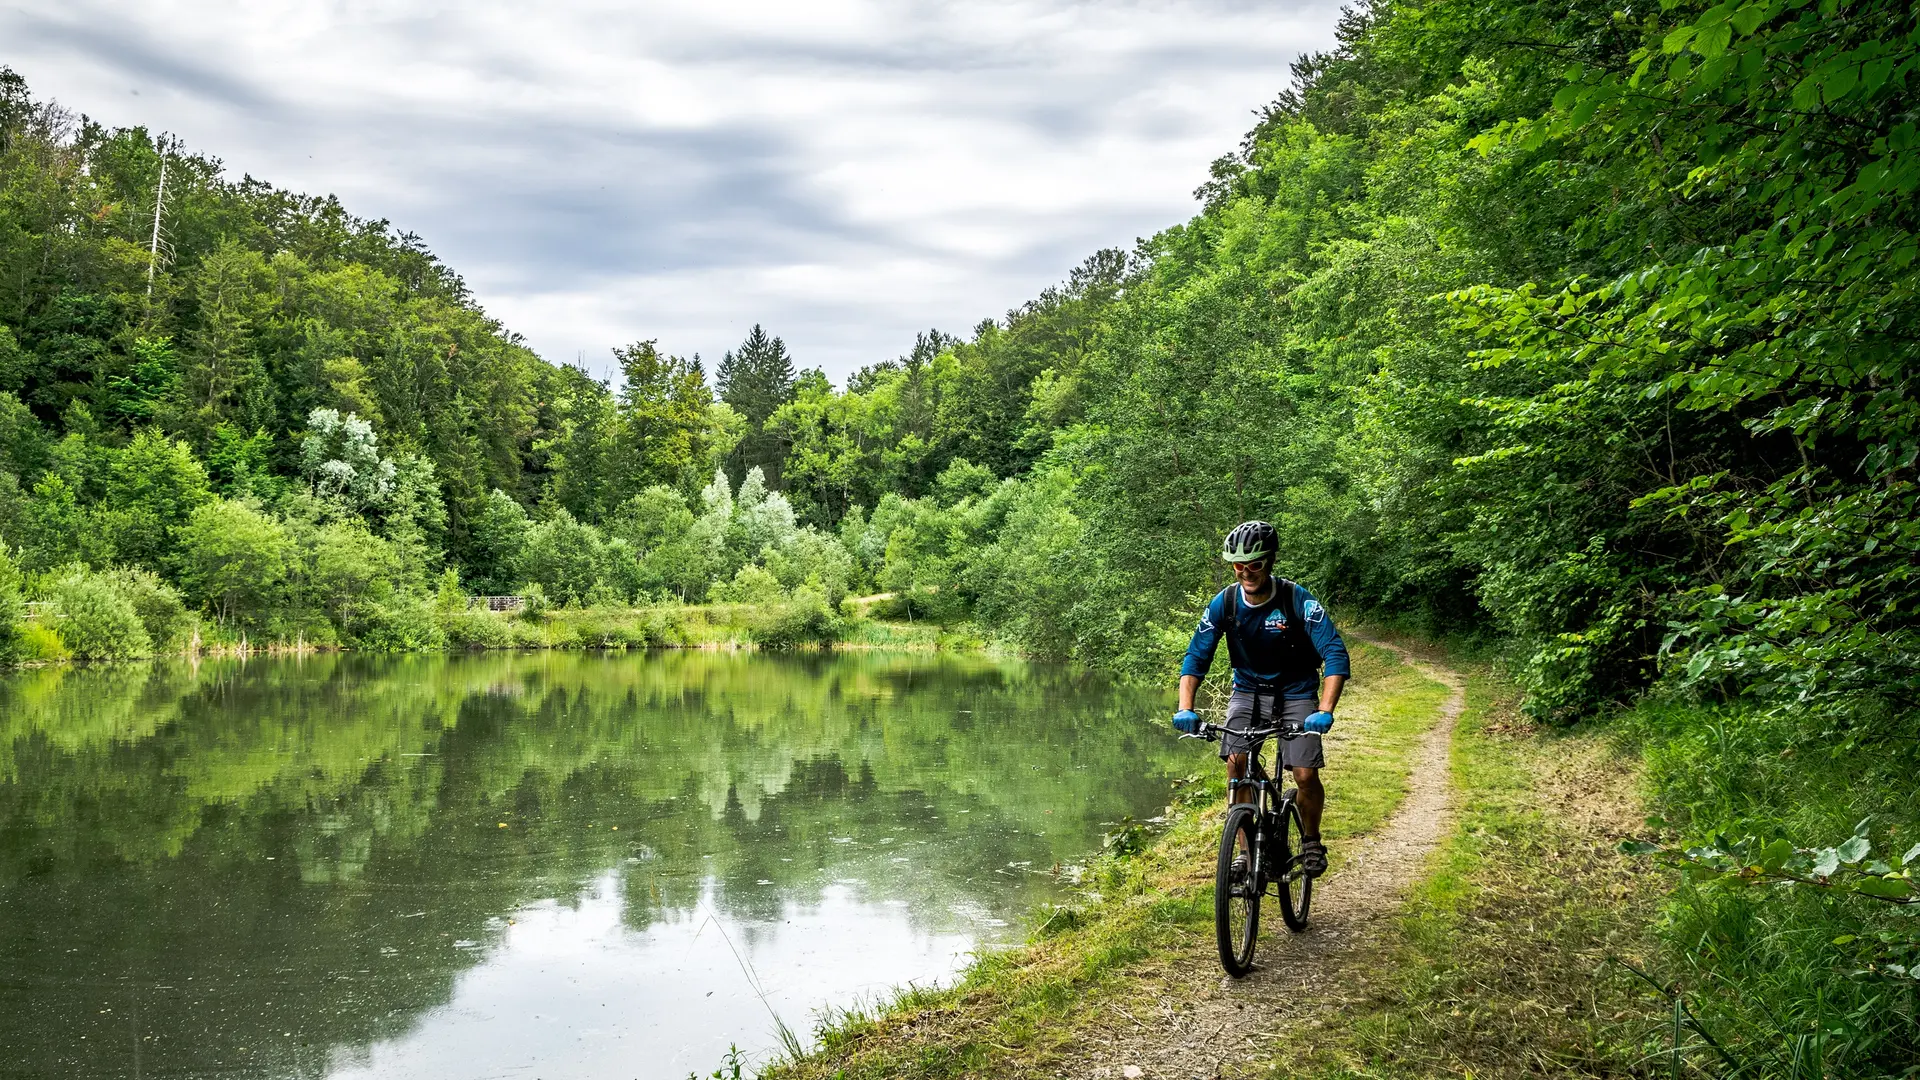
(1289, 601)
(1296, 619)
(1231, 606)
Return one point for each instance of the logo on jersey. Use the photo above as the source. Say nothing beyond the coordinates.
(1315, 612)
(1276, 621)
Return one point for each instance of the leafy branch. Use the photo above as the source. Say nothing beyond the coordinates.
(1845, 869)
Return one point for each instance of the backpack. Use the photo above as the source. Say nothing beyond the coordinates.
(1296, 632)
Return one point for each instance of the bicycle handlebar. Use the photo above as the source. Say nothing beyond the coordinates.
(1210, 732)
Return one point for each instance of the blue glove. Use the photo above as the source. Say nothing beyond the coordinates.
(1186, 722)
(1320, 723)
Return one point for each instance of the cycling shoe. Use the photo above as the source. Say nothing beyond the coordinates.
(1313, 858)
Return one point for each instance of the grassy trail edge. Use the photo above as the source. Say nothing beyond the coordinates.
(1013, 1012)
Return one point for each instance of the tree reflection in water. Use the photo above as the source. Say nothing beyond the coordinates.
(275, 868)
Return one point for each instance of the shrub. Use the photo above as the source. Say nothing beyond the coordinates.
(805, 619)
(536, 600)
(477, 630)
(450, 598)
(402, 622)
(36, 641)
(161, 610)
(753, 584)
(596, 631)
(97, 620)
(666, 626)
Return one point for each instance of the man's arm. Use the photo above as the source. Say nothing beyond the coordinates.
(1189, 688)
(1330, 688)
(1206, 638)
(1326, 640)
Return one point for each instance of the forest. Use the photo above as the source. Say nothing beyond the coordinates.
(1581, 333)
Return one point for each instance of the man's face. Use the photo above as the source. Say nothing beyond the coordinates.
(1253, 575)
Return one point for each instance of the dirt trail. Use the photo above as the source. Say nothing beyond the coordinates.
(1206, 1023)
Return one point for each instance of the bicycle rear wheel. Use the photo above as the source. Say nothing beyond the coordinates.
(1295, 887)
(1236, 893)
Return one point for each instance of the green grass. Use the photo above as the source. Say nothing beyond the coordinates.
(866, 633)
(1788, 981)
(1532, 946)
(1013, 1012)
(1510, 957)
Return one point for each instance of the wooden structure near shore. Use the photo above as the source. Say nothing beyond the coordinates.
(496, 603)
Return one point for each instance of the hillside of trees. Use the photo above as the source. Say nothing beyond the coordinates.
(1586, 331)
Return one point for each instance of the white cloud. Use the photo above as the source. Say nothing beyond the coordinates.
(844, 173)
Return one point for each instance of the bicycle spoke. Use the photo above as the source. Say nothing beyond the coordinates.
(1237, 890)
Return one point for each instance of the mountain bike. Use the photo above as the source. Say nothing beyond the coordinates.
(1260, 848)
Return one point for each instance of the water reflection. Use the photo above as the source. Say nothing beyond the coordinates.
(431, 866)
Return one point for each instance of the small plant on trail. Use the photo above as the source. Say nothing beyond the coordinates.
(731, 1067)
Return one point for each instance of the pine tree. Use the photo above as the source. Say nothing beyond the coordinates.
(756, 380)
(759, 378)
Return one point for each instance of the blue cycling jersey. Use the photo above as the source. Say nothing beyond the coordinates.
(1266, 657)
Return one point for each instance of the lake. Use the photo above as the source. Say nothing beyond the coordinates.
(527, 864)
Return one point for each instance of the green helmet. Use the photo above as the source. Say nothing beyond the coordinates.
(1249, 541)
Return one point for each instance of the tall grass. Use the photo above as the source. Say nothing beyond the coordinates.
(1790, 980)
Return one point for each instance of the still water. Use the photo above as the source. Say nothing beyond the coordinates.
(525, 864)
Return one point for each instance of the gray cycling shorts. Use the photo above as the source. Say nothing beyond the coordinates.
(1246, 710)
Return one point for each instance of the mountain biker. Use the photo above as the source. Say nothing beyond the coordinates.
(1278, 636)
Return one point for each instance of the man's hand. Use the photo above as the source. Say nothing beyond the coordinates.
(1320, 723)
(1186, 722)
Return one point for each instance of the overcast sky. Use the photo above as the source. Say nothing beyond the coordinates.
(844, 173)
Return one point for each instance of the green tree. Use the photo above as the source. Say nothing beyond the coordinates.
(498, 535)
(235, 559)
(153, 486)
(582, 445)
(224, 376)
(350, 572)
(663, 424)
(414, 519)
(564, 556)
(756, 380)
(13, 606)
(56, 531)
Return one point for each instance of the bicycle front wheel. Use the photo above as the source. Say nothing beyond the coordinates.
(1236, 891)
(1295, 887)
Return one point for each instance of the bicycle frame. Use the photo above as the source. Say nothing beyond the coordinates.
(1271, 796)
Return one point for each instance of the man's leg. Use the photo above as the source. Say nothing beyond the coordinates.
(1312, 799)
(1237, 770)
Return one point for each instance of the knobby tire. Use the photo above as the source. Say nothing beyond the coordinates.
(1293, 884)
(1236, 906)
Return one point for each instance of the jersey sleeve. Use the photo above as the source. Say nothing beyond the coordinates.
(1326, 640)
(1206, 638)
